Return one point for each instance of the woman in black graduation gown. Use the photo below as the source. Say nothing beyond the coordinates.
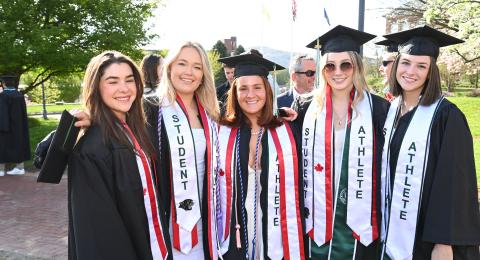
(429, 183)
(259, 182)
(182, 127)
(114, 209)
(341, 142)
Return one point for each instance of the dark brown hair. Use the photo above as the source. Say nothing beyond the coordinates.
(234, 115)
(432, 89)
(102, 115)
(149, 67)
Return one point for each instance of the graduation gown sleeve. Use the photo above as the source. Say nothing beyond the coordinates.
(451, 212)
(107, 218)
(4, 114)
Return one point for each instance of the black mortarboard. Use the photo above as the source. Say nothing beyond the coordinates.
(422, 41)
(340, 39)
(60, 150)
(10, 80)
(251, 63)
(392, 46)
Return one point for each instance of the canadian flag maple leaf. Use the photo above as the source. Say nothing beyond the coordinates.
(144, 191)
(221, 172)
(318, 167)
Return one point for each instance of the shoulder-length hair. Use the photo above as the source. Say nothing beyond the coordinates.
(102, 115)
(149, 68)
(234, 115)
(359, 82)
(206, 92)
(432, 89)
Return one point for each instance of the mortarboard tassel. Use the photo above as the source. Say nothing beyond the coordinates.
(239, 242)
(317, 65)
(275, 106)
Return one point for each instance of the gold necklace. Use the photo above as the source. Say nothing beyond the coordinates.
(340, 120)
(255, 132)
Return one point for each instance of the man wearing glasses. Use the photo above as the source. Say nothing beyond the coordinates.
(302, 77)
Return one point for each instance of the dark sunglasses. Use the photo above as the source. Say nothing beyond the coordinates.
(308, 73)
(386, 62)
(344, 66)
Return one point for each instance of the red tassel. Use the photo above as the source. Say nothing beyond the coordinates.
(239, 242)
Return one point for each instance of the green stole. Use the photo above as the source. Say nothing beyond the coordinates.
(342, 243)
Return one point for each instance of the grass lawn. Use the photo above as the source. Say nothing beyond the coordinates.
(51, 108)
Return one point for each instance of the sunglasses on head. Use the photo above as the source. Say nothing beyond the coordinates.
(386, 62)
(344, 66)
(308, 73)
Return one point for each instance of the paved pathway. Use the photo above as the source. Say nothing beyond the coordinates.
(33, 218)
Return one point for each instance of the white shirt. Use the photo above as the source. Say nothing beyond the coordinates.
(249, 206)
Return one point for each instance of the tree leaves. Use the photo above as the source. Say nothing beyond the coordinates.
(59, 37)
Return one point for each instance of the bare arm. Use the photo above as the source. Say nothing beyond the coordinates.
(442, 252)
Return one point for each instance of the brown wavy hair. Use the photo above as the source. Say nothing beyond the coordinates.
(234, 115)
(102, 115)
(432, 89)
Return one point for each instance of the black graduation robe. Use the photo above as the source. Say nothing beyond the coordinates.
(222, 94)
(163, 165)
(449, 212)
(107, 216)
(380, 109)
(14, 137)
(4, 115)
(233, 252)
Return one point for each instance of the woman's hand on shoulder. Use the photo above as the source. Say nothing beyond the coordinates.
(289, 115)
(83, 118)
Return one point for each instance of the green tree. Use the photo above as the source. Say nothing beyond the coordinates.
(239, 50)
(220, 48)
(460, 18)
(59, 37)
(217, 67)
(283, 77)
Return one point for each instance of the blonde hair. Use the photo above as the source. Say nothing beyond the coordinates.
(206, 92)
(359, 81)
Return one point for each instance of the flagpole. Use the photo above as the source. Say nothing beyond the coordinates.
(361, 19)
(292, 36)
(262, 26)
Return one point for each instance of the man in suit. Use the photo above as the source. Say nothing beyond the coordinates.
(222, 90)
(302, 77)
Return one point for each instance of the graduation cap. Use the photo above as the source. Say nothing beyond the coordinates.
(9, 80)
(422, 41)
(60, 149)
(392, 46)
(340, 39)
(251, 63)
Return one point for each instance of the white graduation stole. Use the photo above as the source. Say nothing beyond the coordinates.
(317, 149)
(285, 235)
(150, 200)
(186, 203)
(226, 178)
(399, 235)
(361, 174)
